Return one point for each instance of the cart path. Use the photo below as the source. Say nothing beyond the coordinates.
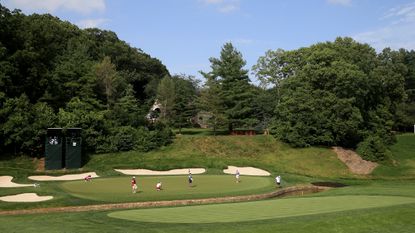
(295, 190)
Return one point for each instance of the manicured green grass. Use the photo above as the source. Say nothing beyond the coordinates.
(388, 219)
(259, 210)
(174, 187)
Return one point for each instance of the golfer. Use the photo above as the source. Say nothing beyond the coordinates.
(158, 186)
(190, 179)
(278, 181)
(88, 178)
(237, 175)
(134, 185)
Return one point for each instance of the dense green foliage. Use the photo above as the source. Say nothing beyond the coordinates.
(230, 83)
(52, 74)
(338, 93)
(176, 96)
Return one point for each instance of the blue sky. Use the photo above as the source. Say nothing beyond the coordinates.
(183, 34)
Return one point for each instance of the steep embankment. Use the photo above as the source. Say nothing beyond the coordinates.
(218, 152)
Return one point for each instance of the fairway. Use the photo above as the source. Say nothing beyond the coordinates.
(259, 210)
(174, 187)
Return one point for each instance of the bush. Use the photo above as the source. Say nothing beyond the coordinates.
(373, 149)
(148, 140)
(127, 138)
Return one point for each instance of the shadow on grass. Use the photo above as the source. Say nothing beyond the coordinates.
(329, 184)
(201, 132)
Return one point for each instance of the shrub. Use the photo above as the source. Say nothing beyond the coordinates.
(373, 149)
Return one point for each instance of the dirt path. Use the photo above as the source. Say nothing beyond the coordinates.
(354, 162)
(281, 192)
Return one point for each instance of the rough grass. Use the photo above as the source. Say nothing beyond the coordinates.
(403, 159)
(218, 152)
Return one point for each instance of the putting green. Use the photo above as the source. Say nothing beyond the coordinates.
(258, 210)
(174, 187)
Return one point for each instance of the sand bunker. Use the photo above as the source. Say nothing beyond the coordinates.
(183, 171)
(25, 197)
(64, 177)
(6, 182)
(250, 171)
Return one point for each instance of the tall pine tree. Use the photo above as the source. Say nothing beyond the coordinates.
(234, 87)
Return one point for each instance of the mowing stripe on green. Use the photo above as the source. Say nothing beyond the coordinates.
(258, 210)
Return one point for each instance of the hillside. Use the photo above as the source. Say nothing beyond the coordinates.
(402, 162)
(217, 152)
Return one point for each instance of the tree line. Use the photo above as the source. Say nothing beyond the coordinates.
(53, 74)
(339, 93)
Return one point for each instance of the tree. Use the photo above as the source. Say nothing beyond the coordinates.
(126, 110)
(210, 100)
(186, 88)
(264, 105)
(272, 68)
(233, 86)
(166, 95)
(90, 78)
(106, 76)
(340, 95)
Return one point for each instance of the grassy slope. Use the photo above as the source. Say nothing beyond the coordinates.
(218, 152)
(403, 156)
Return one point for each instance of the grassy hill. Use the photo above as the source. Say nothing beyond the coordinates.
(198, 148)
(217, 152)
(402, 162)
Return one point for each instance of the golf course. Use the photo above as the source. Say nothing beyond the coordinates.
(207, 116)
(367, 203)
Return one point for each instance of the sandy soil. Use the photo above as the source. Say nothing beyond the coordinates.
(25, 197)
(6, 182)
(354, 162)
(64, 177)
(250, 171)
(183, 171)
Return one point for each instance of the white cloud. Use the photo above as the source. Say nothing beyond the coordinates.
(404, 13)
(51, 6)
(223, 6)
(91, 23)
(398, 31)
(340, 2)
